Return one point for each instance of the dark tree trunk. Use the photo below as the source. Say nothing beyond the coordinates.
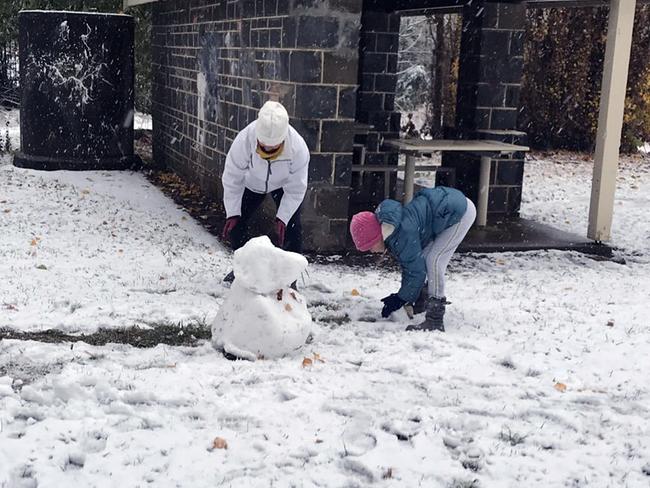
(438, 71)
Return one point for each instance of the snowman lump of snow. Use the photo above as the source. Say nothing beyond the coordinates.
(262, 317)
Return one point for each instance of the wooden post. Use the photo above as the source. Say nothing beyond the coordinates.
(409, 178)
(483, 191)
(610, 119)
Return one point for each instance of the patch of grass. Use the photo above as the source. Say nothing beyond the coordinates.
(163, 333)
(512, 438)
(507, 363)
(471, 464)
(465, 483)
(334, 319)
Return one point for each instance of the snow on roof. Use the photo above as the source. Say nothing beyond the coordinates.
(73, 12)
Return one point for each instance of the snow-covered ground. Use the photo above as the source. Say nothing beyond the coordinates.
(142, 121)
(83, 250)
(540, 380)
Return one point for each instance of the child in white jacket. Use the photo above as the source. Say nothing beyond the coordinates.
(268, 156)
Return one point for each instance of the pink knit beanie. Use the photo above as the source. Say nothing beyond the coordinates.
(365, 230)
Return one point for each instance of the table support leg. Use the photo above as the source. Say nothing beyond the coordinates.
(483, 191)
(409, 178)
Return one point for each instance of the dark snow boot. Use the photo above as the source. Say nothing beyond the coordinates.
(433, 319)
(420, 304)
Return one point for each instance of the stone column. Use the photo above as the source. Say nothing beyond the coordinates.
(491, 68)
(378, 47)
(321, 51)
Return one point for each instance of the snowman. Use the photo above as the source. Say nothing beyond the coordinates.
(262, 317)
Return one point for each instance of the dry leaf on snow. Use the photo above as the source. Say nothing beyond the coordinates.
(560, 387)
(288, 307)
(355, 292)
(307, 362)
(219, 443)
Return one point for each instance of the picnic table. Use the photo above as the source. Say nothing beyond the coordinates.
(413, 148)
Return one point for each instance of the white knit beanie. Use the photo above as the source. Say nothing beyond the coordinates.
(272, 124)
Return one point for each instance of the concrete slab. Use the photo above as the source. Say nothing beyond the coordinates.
(528, 235)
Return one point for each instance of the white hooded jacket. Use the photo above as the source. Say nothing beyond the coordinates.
(246, 169)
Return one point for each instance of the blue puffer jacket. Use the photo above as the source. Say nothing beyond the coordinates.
(416, 225)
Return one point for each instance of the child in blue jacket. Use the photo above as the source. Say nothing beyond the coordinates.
(422, 235)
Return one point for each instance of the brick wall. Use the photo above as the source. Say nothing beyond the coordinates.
(217, 62)
(491, 68)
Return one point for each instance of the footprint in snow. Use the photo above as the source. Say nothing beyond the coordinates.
(358, 438)
(463, 449)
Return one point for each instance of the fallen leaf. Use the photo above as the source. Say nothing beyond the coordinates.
(408, 308)
(307, 362)
(560, 387)
(279, 295)
(318, 358)
(355, 292)
(288, 307)
(610, 323)
(219, 443)
(35, 241)
(41, 266)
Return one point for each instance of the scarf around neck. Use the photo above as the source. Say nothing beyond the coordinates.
(270, 156)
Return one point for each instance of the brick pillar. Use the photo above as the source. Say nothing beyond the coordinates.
(491, 68)
(320, 47)
(379, 45)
